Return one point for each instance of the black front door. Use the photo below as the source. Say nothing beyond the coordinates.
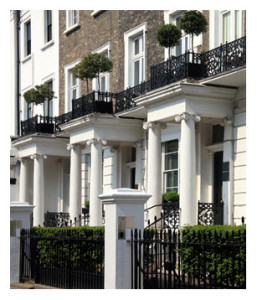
(217, 186)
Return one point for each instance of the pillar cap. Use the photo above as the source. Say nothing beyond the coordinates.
(125, 195)
(22, 206)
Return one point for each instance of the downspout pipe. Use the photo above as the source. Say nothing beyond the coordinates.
(18, 70)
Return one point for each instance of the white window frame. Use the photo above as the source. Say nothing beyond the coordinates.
(129, 37)
(68, 96)
(70, 24)
(232, 32)
(215, 35)
(26, 39)
(164, 187)
(106, 48)
(51, 101)
(45, 28)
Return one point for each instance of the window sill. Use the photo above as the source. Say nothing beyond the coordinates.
(70, 29)
(47, 45)
(96, 12)
(25, 59)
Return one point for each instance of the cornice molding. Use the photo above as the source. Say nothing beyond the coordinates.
(188, 91)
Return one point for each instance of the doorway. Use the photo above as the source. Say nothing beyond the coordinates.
(217, 187)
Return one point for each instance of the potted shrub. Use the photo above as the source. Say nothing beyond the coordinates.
(39, 95)
(171, 199)
(85, 209)
(91, 67)
(168, 36)
(193, 22)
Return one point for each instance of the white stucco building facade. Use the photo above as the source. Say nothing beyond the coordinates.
(188, 136)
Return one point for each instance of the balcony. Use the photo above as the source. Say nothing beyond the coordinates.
(205, 65)
(38, 124)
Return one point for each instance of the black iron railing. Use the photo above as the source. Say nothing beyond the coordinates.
(65, 260)
(169, 216)
(38, 124)
(188, 65)
(170, 259)
(210, 213)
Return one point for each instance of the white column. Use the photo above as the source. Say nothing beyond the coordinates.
(210, 179)
(154, 168)
(23, 195)
(187, 188)
(96, 181)
(138, 179)
(38, 189)
(227, 193)
(114, 150)
(124, 210)
(75, 181)
(60, 185)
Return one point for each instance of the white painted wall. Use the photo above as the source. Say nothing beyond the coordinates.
(239, 136)
(43, 64)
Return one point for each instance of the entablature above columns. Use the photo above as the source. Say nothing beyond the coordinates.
(111, 129)
(208, 101)
(31, 145)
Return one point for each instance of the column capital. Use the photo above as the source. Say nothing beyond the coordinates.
(95, 141)
(138, 144)
(154, 125)
(75, 147)
(38, 155)
(20, 159)
(228, 120)
(113, 149)
(187, 116)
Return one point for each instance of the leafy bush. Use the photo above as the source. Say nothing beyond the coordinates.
(214, 252)
(172, 196)
(69, 247)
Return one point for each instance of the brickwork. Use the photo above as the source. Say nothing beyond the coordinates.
(108, 26)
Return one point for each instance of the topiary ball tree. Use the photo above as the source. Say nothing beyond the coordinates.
(193, 22)
(91, 67)
(168, 36)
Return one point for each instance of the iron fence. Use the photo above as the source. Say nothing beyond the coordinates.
(166, 260)
(64, 261)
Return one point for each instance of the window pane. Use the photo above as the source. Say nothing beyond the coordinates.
(50, 108)
(103, 89)
(75, 17)
(136, 72)
(74, 80)
(136, 43)
(226, 28)
(237, 24)
(28, 38)
(171, 146)
(74, 94)
(171, 161)
(171, 179)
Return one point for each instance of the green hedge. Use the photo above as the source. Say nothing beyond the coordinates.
(172, 197)
(216, 252)
(69, 247)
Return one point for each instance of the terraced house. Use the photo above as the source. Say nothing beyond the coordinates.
(154, 123)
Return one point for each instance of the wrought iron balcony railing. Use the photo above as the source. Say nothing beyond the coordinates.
(189, 65)
(38, 124)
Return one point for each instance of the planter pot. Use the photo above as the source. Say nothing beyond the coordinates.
(45, 128)
(195, 70)
(104, 107)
